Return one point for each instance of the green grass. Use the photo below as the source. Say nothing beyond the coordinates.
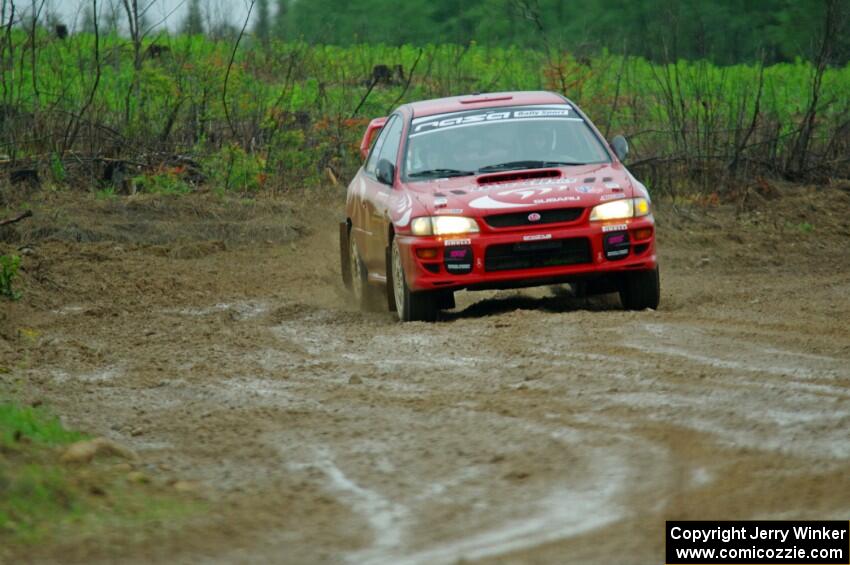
(9, 265)
(802, 227)
(107, 193)
(44, 503)
(34, 425)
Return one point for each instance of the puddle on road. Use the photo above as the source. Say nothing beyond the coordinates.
(399, 520)
(102, 375)
(386, 519)
(243, 310)
(70, 309)
(562, 515)
(315, 339)
(796, 425)
(732, 352)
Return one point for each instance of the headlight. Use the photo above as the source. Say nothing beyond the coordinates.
(620, 209)
(443, 225)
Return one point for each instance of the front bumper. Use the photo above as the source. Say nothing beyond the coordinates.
(521, 258)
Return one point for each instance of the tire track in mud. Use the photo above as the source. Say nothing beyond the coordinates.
(521, 441)
(521, 423)
(410, 352)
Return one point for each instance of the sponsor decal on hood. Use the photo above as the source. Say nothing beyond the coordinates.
(526, 195)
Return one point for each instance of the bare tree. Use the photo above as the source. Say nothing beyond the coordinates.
(834, 15)
(74, 124)
(262, 25)
(281, 19)
(230, 66)
(134, 23)
(7, 69)
(194, 22)
(112, 17)
(137, 21)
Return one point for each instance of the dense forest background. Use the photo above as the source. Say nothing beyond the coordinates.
(723, 31)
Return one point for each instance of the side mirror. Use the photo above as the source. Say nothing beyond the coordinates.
(366, 143)
(621, 147)
(385, 172)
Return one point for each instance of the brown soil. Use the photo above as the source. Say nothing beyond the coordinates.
(526, 427)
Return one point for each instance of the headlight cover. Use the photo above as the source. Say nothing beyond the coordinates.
(620, 209)
(443, 225)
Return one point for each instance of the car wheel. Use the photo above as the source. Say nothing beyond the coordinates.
(446, 300)
(410, 306)
(365, 294)
(641, 290)
(344, 255)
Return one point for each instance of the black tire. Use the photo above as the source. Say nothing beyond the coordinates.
(410, 306)
(344, 259)
(641, 290)
(446, 300)
(366, 296)
(579, 289)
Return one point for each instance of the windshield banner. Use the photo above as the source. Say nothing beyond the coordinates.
(442, 122)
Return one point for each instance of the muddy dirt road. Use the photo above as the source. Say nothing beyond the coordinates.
(523, 428)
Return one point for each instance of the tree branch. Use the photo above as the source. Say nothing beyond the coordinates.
(16, 219)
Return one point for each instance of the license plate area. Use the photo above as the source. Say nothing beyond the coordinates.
(533, 246)
(537, 254)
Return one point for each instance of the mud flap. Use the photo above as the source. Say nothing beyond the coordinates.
(388, 261)
(344, 264)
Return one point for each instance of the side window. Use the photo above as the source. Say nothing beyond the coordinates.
(390, 149)
(374, 156)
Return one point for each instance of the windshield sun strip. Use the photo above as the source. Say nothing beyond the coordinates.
(511, 120)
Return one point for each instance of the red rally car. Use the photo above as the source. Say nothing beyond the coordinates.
(494, 191)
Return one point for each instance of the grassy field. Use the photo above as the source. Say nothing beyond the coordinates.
(178, 114)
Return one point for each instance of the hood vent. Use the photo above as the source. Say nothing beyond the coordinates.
(518, 175)
(458, 192)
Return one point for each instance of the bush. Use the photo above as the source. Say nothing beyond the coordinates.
(233, 168)
(9, 265)
(35, 424)
(167, 182)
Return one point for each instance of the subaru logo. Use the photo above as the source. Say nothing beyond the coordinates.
(534, 217)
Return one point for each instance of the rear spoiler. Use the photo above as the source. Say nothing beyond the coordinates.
(374, 126)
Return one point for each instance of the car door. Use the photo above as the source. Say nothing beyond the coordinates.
(364, 197)
(380, 211)
(376, 197)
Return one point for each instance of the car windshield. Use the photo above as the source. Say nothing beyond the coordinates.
(500, 139)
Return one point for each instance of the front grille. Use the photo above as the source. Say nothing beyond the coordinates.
(514, 219)
(537, 254)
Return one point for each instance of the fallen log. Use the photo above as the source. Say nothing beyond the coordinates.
(17, 218)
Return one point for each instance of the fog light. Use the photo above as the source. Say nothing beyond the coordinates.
(427, 253)
(643, 233)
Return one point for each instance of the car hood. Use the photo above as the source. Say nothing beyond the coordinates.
(515, 191)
